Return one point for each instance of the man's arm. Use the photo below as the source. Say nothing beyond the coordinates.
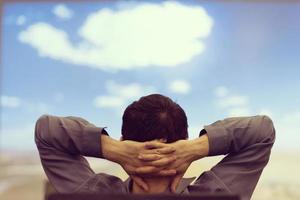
(247, 142)
(62, 142)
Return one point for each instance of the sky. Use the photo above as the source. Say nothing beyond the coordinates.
(91, 60)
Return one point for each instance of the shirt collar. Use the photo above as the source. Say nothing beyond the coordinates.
(183, 184)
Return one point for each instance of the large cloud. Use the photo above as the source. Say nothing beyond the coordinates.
(147, 34)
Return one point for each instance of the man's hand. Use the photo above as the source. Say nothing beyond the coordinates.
(157, 158)
(186, 151)
(157, 155)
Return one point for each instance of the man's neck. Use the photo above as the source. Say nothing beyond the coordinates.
(156, 185)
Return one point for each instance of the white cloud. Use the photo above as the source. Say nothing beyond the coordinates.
(233, 101)
(32, 107)
(180, 87)
(49, 41)
(119, 94)
(163, 34)
(286, 124)
(10, 101)
(221, 91)
(21, 20)
(132, 90)
(234, 105)
(62, 11)
(109, 101)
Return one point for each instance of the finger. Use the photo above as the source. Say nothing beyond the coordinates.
(146, 170)
(161, 150)
(154, 145)
(140, 182)
(149, 157)
(166, 150)
(175, 182)
(167, 172)
(163, 161)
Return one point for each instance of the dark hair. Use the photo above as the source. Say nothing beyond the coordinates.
(154, 117)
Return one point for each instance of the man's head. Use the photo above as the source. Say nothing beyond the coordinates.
(154, 117)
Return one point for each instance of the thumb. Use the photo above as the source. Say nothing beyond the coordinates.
(175, 182)
(140, 182)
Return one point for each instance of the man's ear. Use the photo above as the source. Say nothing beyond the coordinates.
(121, 138)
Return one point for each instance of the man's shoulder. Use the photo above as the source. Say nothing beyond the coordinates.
(103, 182)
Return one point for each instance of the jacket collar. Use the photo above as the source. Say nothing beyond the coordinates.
(182, 187)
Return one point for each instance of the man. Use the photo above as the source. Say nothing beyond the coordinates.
(155, 151)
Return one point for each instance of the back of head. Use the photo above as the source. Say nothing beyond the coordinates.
(154, 117)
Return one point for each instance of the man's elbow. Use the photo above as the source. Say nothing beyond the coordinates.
(267, 129)
(41, 132)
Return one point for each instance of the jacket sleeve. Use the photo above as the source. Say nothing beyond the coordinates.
(247, 143)
(62, 142)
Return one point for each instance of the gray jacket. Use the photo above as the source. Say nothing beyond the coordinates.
(246, 141)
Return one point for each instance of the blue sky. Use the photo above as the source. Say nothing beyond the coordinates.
(92, 59)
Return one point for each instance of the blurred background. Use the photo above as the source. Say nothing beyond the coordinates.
(92, 58)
